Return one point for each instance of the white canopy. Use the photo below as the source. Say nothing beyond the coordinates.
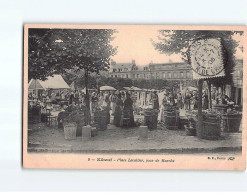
(136, 88)
(83, 90)
(107, 88)
(52, 82)
(190, 89)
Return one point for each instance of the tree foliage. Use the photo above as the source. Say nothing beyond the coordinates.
(178, 42)
(53, 51)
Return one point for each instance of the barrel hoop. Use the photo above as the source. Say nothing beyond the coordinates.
(210, 122)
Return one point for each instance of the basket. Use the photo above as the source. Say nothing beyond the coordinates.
(190, 130)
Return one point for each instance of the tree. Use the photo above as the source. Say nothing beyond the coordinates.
(57, 50)
(42, 61)
(178, 41)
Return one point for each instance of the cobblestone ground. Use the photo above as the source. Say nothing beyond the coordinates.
(46, 139)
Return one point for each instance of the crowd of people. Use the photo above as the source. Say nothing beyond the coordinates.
(122, 104)
(119, 104)
(188, 100)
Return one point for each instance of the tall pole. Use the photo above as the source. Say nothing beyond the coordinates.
(200, 126)
(210, 94)
(35, 87)
(87, 117)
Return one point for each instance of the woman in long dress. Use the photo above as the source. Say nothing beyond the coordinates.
(94, 103)
(113, 103)
(118, 110)
(107, 105)
(205, 101)
(128, 110)
(179, 101)
(163, 104)
(155, 101)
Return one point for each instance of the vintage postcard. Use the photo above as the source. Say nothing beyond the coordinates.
(134, 97)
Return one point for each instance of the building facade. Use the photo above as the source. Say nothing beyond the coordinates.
(167, 71)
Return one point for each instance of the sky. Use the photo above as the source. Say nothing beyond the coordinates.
(134, 43)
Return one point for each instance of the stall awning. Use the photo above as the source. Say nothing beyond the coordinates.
(52, 82)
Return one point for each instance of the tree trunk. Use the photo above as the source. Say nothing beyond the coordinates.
(199, 125)
(222, 89)
(35, 87)
(209, 94)
(87, 114)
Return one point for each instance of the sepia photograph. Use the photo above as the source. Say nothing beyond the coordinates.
(134, 97)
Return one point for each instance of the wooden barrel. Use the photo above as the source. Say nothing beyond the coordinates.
(100, 118)
(36, 114)
(171, 119)
(151, 118)
(211, 127)
(231, 122)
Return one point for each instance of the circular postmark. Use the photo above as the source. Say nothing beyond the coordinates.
(206, 57)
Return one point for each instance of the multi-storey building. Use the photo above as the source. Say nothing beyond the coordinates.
(175, 71)
(168, 71)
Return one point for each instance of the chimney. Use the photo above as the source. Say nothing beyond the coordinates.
(133, 62)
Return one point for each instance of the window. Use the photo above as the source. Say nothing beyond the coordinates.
(127, 76)
(164, 75)
(181, 75)
(187, 74)
(169, 75)
(115, 75)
